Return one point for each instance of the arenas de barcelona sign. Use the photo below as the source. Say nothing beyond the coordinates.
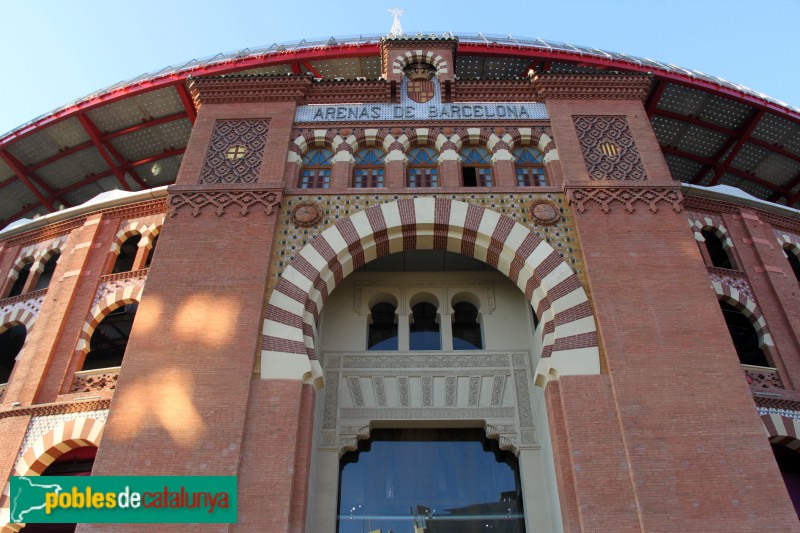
(417, 111)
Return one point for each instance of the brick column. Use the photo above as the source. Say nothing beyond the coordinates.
(774, 286)
(48, 346)
(187, 397)
(670, 408)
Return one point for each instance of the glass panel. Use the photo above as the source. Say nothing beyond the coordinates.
(429, 480)
(424, 328)
(383, 329)
(368, 177)
(466, 330)
(314, 178)
(476, 155)
(530, 177)
(317, 157)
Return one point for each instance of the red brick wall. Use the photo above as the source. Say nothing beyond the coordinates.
(687, 421)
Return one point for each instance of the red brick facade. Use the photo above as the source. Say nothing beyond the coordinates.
(664, 436)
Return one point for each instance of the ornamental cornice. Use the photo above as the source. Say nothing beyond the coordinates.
(704, 204)
(344, 92)
(246, 89)
(494, 91)
(57, 408)
(592, 86)
(222, 201)
(628, 197)
(46, 232)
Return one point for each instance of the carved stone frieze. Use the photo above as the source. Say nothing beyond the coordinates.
(94, 380)
(366, 386)
(235, 152)
(609, 151)
(30, 302)
(112, 283)
(494, 91)
(223, 201)
(57, 408)
(627, 197)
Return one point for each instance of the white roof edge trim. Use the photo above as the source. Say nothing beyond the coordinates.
(733, 195)
(105, 200)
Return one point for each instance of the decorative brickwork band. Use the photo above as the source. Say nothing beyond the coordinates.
(609, 150)
(568, 333)
(248, 89)
(605, 197)
(592, 87)
(242, 201)
(235, 152)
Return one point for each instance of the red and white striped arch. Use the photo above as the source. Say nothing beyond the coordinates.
(65, 437)
(568, 328)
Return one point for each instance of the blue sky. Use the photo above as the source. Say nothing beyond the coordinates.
(59, 50)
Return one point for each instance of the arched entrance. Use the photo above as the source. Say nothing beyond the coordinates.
(492, 388)
(569, 332)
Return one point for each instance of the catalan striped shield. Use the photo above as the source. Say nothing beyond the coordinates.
(420, 90)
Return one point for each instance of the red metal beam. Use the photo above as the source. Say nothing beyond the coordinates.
(778, 149)
(735, 171)
(144, 125)
(186, 100)
(508, 50)
(19, 171)
(740, 142)
(696, 121)
(163, 155)
(94, 135)
(655, 97)
(59, 155)
(721, 152)
(216, 69)
(296, 68)
(312, 69)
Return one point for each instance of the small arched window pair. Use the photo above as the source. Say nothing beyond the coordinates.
(42, 282)
(127, 254)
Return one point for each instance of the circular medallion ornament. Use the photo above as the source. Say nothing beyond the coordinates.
(545, 212)
(306, 214)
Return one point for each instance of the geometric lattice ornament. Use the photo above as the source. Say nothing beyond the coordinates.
(608, 148)
(235, 152)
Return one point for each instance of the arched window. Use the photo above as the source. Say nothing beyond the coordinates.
(151, 252)
(382, 331)
(413, 479)
(788, 459)
(794, 261)
(127, 255)
(47, 274)
(716, 251)
(316, 169)
(369, 168)
(422, 167)
(530, 167)
(476, 167)
(11, 341)
(744, 336)
(466, 329)
(110, 338)
(22, 278)
(424, 328)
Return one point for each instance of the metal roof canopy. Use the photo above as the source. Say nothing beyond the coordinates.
(132, 134)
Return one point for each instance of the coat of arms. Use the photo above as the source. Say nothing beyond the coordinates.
(420, 81)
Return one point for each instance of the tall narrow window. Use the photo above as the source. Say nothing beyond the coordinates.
(47, 274)
(466, 329)
(151, 252)
(369, 168)
(424, 328)
(22, 278)
(110, 339)
(476, 167)
(716, 251)
(744, 336)
(127, 255)
(530, 167)
(422, 167)
(382, 333)
(794, 261)
(429, 480)
(316, 169)
(11, 341)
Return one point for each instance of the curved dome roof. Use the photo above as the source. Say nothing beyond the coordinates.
(132, 135)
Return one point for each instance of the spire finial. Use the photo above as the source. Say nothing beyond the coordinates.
(397, 30)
